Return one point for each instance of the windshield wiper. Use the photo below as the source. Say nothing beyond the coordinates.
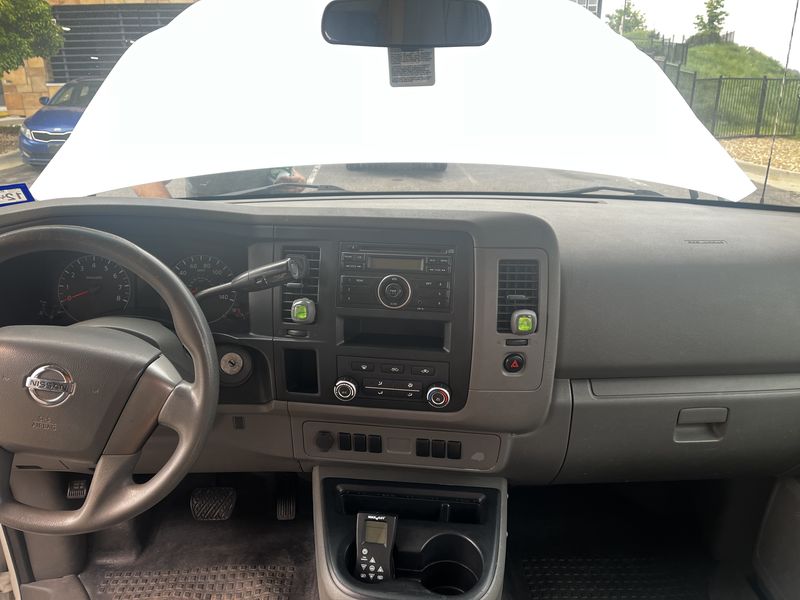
(588, 191)
(272, 188)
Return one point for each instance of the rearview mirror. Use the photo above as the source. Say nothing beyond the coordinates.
(44, 100)
(407, 23)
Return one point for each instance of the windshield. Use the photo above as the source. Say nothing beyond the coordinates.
(75, 94)
(629, 98)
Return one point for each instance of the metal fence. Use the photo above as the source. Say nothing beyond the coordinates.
(684, 80)
(662, 49)
(740, 106)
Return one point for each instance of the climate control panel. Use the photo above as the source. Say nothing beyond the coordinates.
(405, 382)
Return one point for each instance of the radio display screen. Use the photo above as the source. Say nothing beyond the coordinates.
(395, 263)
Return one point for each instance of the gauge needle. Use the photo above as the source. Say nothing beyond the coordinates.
(72, 297)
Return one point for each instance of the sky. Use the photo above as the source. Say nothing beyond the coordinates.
(763, 24)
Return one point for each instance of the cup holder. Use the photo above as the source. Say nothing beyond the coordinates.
(452, 565)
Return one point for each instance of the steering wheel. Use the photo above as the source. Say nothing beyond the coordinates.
(86, 398)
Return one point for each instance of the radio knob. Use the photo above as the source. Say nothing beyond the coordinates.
(438, 395)
(394, 291)
(345, 389)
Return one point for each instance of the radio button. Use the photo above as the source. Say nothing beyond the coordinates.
(393, 369)
(432, 284)
(354, 280)
(394, 291)
(349, 257)
(353, 266)
(434, 293)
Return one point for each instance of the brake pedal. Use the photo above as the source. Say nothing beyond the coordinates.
(286, 497)
(212, 503)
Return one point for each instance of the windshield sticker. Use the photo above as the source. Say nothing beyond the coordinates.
(17, 193)
(411, 68)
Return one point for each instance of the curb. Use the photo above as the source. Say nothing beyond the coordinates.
(779, 178)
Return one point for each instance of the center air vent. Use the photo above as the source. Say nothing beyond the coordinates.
(517, 289)
(308, 287)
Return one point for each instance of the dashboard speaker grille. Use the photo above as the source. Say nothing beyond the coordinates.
(517, 289)
(308, 287)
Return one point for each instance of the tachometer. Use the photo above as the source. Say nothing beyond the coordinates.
(93, 286)
(200, 272)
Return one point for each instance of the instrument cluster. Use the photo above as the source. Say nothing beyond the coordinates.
(64, 288)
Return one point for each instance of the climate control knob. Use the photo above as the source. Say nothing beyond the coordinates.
(438, 395)
(345, 389)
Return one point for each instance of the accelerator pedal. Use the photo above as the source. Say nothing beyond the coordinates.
(212, 503)
(286, 497)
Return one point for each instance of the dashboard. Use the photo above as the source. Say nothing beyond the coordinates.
(548, 341)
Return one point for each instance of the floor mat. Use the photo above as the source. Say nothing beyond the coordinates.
(572, 544)
(606, 578)
(252, 556)
(257, 582)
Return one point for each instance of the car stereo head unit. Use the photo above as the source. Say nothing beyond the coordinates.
(395, 278)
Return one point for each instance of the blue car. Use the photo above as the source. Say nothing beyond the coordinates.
(43, 134)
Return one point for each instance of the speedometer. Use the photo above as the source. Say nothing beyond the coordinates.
(92, 286)
(200, 272)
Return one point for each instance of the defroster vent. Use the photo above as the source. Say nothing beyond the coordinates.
(308, 287)
(517, 288)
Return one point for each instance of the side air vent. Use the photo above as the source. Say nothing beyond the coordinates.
(308, 287)
(517, 288)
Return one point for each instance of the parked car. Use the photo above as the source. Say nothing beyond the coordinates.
(364, 166)
(42, 134)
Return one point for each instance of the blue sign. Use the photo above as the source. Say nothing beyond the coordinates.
(14, 194)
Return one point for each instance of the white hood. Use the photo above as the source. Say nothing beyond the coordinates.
(244, 84)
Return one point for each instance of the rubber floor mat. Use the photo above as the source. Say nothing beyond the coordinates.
(234, 582)
(601, 543)
(251, 556)
(606, 578)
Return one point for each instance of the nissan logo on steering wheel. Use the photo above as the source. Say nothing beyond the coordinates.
(50, 385)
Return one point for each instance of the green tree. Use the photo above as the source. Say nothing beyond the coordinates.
(627, 19)
(712, 22)
(27, 29)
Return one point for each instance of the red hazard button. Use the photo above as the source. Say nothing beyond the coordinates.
(514, 363)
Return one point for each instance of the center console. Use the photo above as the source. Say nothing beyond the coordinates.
(393, 319)
(395, 538)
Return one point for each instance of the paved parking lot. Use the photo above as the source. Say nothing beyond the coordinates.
(456, 178)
